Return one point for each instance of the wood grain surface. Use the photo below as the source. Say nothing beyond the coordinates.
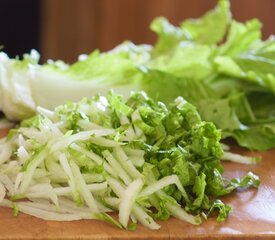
(253, 216)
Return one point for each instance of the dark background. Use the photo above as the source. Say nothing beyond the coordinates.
(63, 29)
(19, 25)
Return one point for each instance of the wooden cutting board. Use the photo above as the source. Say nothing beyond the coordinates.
(253, 216)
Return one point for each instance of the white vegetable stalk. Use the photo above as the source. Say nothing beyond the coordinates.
(137, 161)
(128, 166)
(127, 200)
(104, 142)
(48, 191)
(144, 218)
(136, 117)
(84, 190)
(87, 153)
(2, 192)
(7, 183)
(112, 201)
(116, 166)
(23, 154)
(65, 164)
(133, 152)
(66, 191)
(46, 214)
(137, 210)
(179, 213)
(158, 185)
(27, 177)
(81, 136)
(130, 134)
(6, 151)
(234, 157)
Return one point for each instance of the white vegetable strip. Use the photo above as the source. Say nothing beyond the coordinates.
(137, 211)
(133, 152)
(91, 187)
(64, 163)
(102, 208)
(104, 142)
(112, 201)
(7, 183)
(136, 117)
(2, 192)
(10, 168)
(137, 161)
(234, 157)
(81, 136)
(56, 171)
(28, 174)
(65, 202)
(89, 153)
(109, 170)
(45, 112)
(158, 185)
(21, 141)
(65, 207)
(144, 218)
(225, 147)
(130, 133)
(55, 130)
(178, 212)
(6, 152)
(47, 215)
(116, 166)
(18, 180)
(93, 178)
(47, 189)
(116, 186)
(133, 218)
(40, 173)
(43, 205)
(127, 201)
(66, 191)
(23, 154)
(125, 163)
(35, 134)
(6, 203)
(83, 189)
